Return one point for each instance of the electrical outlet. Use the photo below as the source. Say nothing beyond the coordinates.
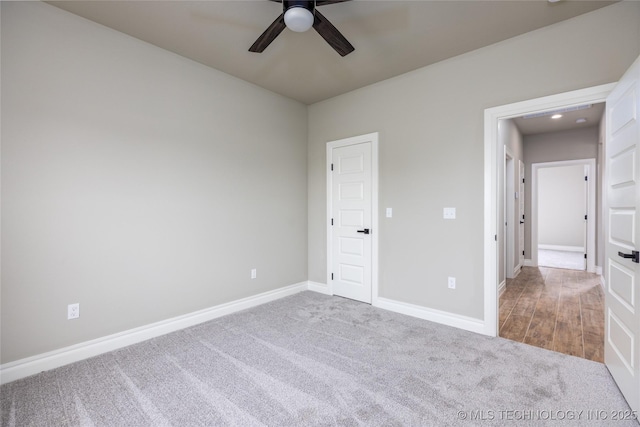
(73, 311)
(449, 213)
(254, 273)
(452, 282)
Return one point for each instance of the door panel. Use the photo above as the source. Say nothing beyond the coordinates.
(351, 213)
(622, 320)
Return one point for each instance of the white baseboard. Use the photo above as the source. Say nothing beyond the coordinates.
(603, 283)
(502, 287)
(42, 362)
(318, 287)
(516, 271)
(598, 270)
(437, 316)
(562, 248)
(529, 263)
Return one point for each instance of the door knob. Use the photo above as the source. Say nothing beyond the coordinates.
(634, 255)
(365, 231)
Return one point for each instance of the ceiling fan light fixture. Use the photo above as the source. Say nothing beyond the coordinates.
(298, 19)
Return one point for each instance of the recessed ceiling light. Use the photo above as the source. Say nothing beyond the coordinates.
(581, 120)
(556, 116)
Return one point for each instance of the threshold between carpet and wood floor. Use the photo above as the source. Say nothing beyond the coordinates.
(312, 359)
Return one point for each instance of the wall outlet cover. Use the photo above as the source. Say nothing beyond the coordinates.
(449, 213)
(73, 311)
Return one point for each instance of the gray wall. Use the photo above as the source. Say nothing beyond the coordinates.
(562, 205)
(136, 182)
(431, 148)
(553, 147)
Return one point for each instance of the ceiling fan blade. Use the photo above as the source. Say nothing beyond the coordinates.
(323, 2)
(269, 35)
(331, 34)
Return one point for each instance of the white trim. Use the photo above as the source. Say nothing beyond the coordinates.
(562, 248)
(598, 270)
(529, 263)
(491, 118)
(502, 287)
(437, 316)
(509, 214)
(517, 271)
(42, 362)
(375, 229)
(590, 170)
(321, 288)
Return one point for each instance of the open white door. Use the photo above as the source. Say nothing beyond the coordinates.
(622, 296)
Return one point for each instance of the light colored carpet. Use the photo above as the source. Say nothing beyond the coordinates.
(311, 359)
(561, 259)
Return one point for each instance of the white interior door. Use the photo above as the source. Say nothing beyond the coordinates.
(352, 220)
(521, 215)
(622, 296)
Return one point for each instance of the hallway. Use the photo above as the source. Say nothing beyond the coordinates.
(560, 310)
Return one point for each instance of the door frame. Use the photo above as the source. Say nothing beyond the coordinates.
(509, 214)
(591, 208)
(492, 155)
(371, 138)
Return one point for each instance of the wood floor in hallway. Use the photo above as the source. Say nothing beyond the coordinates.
(560, 310)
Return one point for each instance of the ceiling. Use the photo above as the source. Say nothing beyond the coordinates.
(544, 124)
(391, 37)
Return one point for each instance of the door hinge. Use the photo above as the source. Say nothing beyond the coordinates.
(331, 221)
(585, 217)
(585, 256)
(331, 276)
(522, 253)
(523, 180)
(586, 178)
(522, 216)
(331, 166)
(496, 237)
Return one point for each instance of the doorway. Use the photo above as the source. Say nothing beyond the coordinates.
(563, 214)
(493, 117)
(554, 308)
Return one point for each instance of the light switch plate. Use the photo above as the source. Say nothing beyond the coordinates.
(389, 212)
(449, 213)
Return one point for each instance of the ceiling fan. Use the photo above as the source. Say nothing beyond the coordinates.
(299, 16)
